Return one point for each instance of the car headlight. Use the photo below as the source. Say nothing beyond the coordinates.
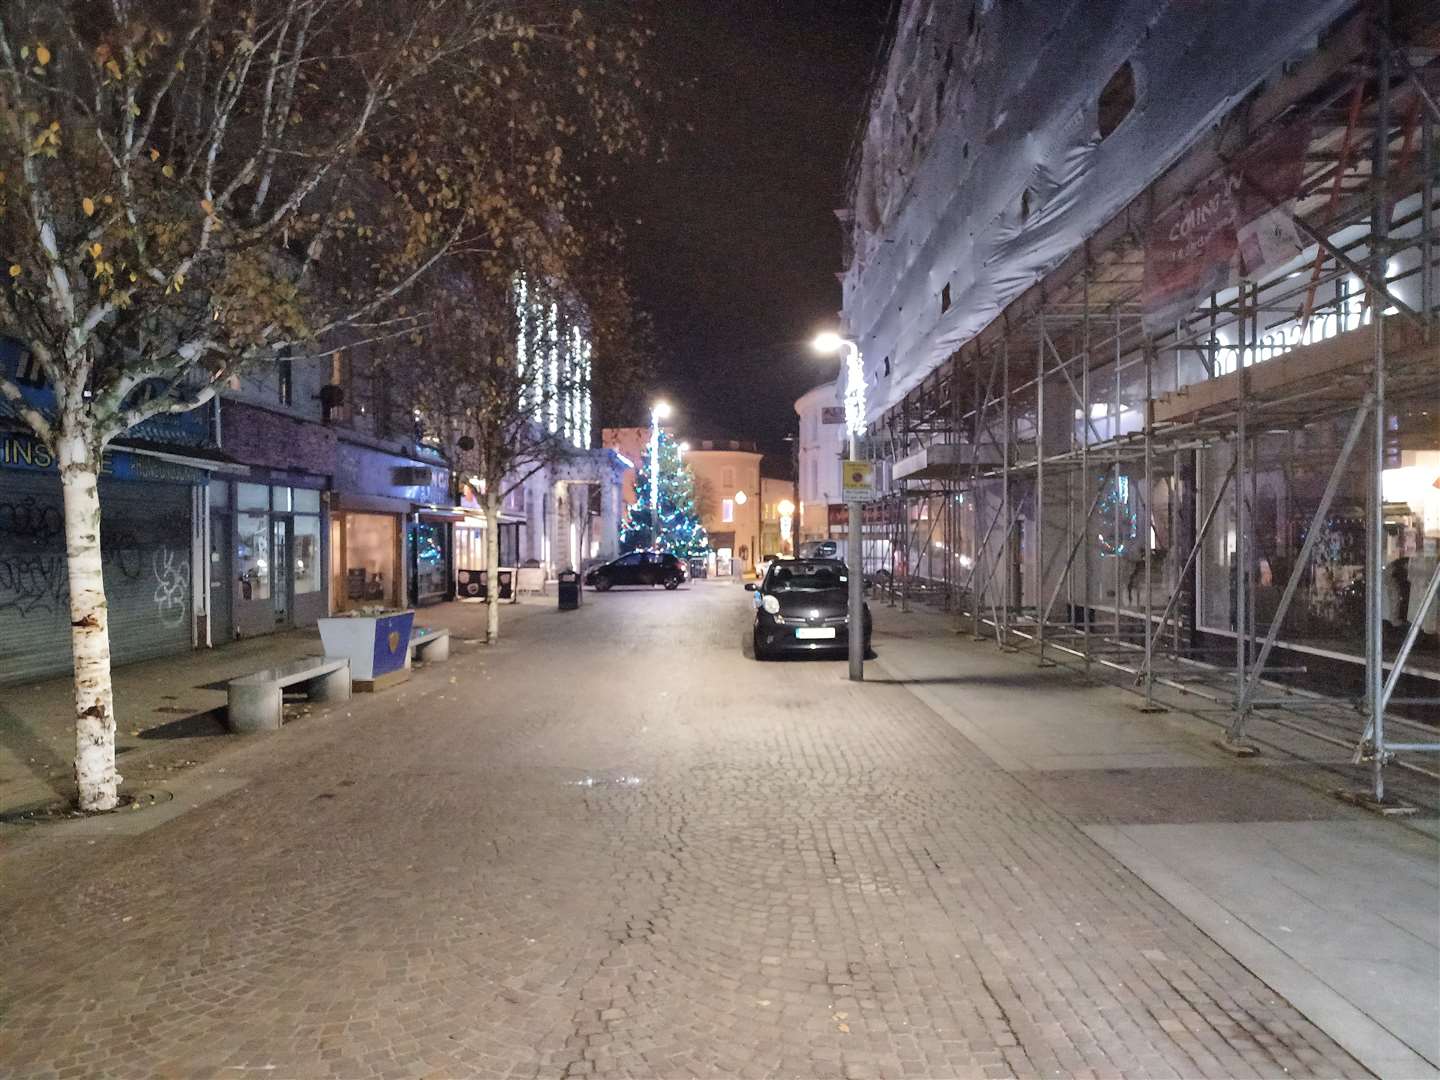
(771, 605)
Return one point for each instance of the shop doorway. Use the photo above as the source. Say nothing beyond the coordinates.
(222, 583)
(282, 581)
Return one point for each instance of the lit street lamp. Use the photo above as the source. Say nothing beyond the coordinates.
(658, 412)
(830, 342)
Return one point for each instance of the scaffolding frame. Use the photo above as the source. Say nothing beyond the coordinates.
(1067, 398)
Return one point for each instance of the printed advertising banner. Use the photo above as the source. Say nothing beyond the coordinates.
(1235, 225)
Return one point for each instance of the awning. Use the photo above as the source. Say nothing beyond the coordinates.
(193, 457)
(475, 518)
(441, 513)
(369, 504)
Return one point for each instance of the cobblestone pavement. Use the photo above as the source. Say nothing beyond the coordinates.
(615, 846)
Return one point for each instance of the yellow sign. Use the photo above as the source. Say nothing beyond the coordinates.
(857, 480)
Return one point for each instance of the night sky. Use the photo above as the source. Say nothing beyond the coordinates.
(736, 247)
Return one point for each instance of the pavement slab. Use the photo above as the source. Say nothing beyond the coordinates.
(613, 845)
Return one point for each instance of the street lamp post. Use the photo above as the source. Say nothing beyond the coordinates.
(659, 411)
(854, 422)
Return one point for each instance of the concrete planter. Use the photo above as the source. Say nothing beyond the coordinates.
(377, 646)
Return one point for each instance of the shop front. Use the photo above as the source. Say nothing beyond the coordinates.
(267, 556)
(431, 570)
(148, 546)
(269, 524)
(468, 530)
(389, 533)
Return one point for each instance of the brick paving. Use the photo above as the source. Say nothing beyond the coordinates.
(613, 846)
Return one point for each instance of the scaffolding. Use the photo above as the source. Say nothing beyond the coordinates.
(1216, 504)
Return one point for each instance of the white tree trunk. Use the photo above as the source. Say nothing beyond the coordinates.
(95, 773)
(492, 561)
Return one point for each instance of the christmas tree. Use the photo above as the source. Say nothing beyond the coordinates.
(680, 528)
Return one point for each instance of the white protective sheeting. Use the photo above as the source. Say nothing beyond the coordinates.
(982, 165)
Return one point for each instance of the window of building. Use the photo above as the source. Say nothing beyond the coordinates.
(727, 509)
(252, 553)
(306, 553)
(252, 497)
(285, 377)
(1117, 99)
(370, 545)
(727, 477)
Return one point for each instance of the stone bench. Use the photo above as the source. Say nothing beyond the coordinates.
(257, 701)
(428, 645)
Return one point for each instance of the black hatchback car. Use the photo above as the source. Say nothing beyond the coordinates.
(802, 607)
(640, 568)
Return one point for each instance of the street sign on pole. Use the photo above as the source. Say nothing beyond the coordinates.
(857, 480)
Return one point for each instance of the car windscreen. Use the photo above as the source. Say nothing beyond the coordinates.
(805, 577)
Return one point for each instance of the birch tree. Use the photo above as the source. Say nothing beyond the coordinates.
(190, 188)
(522, 346)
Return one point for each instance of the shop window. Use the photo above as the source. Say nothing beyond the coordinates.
(219, 494)
(306, 553)
(431, 580)
(307, 501)
(281, 499)
(252, 554)
(252, 497)
(370, 542)
(1117, 99)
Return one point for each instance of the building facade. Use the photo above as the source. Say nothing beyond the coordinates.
(631, 443)
(729, 497)
(778, 516)
(1147, 338)
(820, 452)
(152, 539)
(308, 487)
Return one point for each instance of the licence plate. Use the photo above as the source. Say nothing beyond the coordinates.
(815, 632)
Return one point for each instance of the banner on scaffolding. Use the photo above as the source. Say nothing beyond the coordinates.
(838, 517)
(1238, 224)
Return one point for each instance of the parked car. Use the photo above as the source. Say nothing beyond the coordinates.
(763, 566)
(640, 568)
(820, 549)
(801, 606)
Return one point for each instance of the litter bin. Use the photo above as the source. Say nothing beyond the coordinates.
(569, 590)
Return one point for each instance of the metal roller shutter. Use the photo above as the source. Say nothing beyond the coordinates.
(145, 543)
(34, 603)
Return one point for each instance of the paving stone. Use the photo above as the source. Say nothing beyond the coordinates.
(615, 846)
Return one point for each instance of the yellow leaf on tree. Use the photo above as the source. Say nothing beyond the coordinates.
(154, 154)
(88, 205)
(168, 170)
(207, 206)
(14, 269)
(42, 55)
(95, 250)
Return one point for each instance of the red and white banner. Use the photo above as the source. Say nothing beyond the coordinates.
(1235, 225)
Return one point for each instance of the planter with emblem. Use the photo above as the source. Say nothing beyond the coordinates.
(377, 644)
